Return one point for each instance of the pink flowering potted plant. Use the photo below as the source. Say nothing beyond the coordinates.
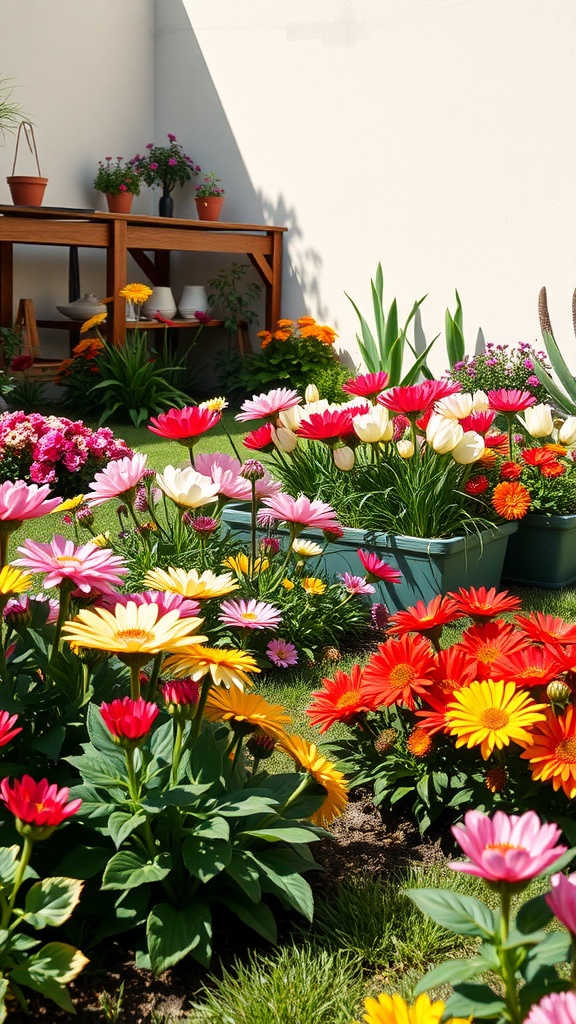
(209, 197)
(119, 181)
(166, 166)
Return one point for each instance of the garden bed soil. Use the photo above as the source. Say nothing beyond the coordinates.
(363, 843)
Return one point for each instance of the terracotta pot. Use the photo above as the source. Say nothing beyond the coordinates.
(209, 207)
(121, 203)
(27, 190)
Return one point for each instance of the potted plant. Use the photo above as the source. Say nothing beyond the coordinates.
(166, 166)
(119, 181)
(209, 197)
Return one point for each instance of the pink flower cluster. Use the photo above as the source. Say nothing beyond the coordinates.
(55, 450)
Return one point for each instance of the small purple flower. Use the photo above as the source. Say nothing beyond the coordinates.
(533, 381)
(491, 362)
(270, 545)
(528, 364)
(380, 615)
(172, 161)
(122, 188)
(204, 524)
(171, 137)
(282, 653)
(150, 145)
(153, 167)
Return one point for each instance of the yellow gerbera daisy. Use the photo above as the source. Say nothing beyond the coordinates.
(236, 706)
(14, 581)
(94, 321)
(307, 757)
(225, 666)
(102, 540)
(68, 505)
(393, 1009)
(190, 583)
(312, 585)
(132, 630)
(240, 563)
(137, 293)
(492, 714)
(307, 548)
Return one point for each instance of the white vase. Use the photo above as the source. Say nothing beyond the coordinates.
(193, 298)
(161, 301)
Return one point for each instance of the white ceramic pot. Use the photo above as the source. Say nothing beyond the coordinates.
(193, 298)
(82, 309)
(161, 301)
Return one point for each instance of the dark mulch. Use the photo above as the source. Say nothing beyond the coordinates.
(363, 842)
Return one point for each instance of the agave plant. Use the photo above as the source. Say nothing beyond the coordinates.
(565, 396)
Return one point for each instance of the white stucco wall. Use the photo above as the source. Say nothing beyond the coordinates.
(433, 135)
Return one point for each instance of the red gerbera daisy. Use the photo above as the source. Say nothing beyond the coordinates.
(477, 485)
(481, 604)
(497, 441)
(533, 666)
(454, 669)
(538, 456)
(367, 385)
(510, 471)
(510, 400)
(490, 641)
(427, 619)
(260, 438)
(326, 426)
(342, 699)
(546, 629)
(478, 421)
(401, 670)
(415, 398)
(184, 425)
(432, 717)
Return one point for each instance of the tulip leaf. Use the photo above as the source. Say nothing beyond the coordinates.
(464, 915)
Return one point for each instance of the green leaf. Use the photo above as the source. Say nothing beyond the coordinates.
(121, 824)
(244, 873)
(533, 915)
(278, 876)
(559, 365)
(127, 869)
(554, 949)
(8, 863)
(50, 742)
(243, 802)
(451, 972)
(206, 858)
(283, 833)
(51, 901)
(46, 971)
(173, 933)
(85, 862)
(464, 915)
(257, 916)
(212, 828)
(474, 1001)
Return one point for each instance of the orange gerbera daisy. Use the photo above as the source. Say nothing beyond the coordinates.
(418, 742)
(546, 629)
(308, 759)
(400, 670)
(552, 751)
(484, 604)
(454, 669)
(538, 456)
(511, 499)
(490, 641)
(533, 666)
(340, 701)
(491, 714)
(427, 619)
(553, 469)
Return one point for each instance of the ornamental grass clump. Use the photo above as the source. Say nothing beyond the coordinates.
(487, 721)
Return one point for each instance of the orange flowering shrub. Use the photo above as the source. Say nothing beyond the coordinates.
(78, 376)
(298, 351)
(298, 330)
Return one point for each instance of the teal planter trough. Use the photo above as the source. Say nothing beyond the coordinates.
(428, 566)
(543, 552)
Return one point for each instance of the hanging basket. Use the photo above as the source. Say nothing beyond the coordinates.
(26, 189)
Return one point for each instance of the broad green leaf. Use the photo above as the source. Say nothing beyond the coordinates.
(533, 915)
(127, 869)
(474, 1001)
(173, 933)
(278, 875)
(559, 365)
(560, 863)
(50, 742)
(464, 915)
(257, 916)
(51, 901)
(206, 858)
(451, 972)
(212, 828)
(85, 861)
(243, 802)
(56, 960)
(554, 949)
(245, 874)
(121, 824)
(3, 991)
(283, 833)
(130, 910)
(8, 864)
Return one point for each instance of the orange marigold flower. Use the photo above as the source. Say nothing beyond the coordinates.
(511, 499)
(553, 469)
(496, 779)
(286, 323)
(305, 321)
(282, 335)
(552, 752)
(419, 743)
(264, 335)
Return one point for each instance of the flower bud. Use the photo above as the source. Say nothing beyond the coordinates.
(443, 433)
(567, 432)
(284, 439)
(384, 743)
(260, 746)
(252, 470)
(311, 394)
(405, 449)
(374, 426)
(496, 779)
(558, 692)
(344, 459)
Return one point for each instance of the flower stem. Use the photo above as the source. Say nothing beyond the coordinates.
(22, 865)
(134, 681)
(506, 957)
(177, 752)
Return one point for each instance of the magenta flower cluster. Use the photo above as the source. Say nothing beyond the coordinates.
(54, 450)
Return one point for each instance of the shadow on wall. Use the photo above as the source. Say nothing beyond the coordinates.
(188, 104)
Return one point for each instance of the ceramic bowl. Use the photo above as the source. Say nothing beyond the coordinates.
(82, 309)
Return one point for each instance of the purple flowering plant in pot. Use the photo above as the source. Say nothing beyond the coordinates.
(166, 166)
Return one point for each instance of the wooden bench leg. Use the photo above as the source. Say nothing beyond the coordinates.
(244, 346)
(26, 321)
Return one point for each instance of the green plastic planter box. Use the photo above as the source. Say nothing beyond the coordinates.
(543, 552)
(428, 566)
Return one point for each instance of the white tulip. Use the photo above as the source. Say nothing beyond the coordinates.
(469, 449)
(567, 432)
(538, 419)
(455, 407)
(290, 418)
(405, 449)
(442, 433)
(480, 402)
(284, 439)
(374, 426)
(311, 394)
(344, 458)
(186, 487)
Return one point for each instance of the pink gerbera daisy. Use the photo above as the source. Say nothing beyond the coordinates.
(267, 405)
(366, 385)
(506, 849)
(20, 500)
(251, 614)
(225, 471)
(377, 568)
(356, 584)
(301, 512)
(510, 400)
(116, 479)
(282, 653)
(185, 425)
(88, 566)
(166, 600)
(326, 426)
(413, 399)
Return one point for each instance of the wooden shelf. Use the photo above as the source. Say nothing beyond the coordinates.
(130, 325)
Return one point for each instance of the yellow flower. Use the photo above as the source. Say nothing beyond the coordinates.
(492, 714)
(137, 293)
(250, 708)
(131, 629)
(307, 548)
(307, 757)
(69, 504)
(240, 563)
(394, 1010)
(288, 584)
(214, 404)
(94, 321)
(14, 581)
(312, 585)
(225, 666)
(102, 540)
(189, 583)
